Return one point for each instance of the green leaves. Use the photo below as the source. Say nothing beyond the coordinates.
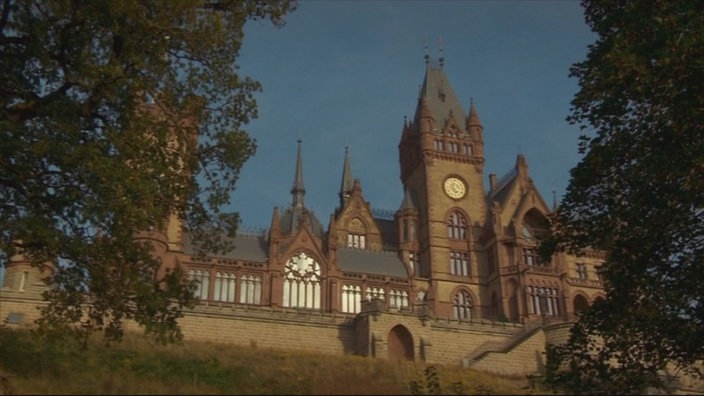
(116, 117)
(634, 194)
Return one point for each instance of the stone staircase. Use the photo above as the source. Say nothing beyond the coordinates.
(502, 346)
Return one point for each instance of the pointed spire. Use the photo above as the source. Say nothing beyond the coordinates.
(298, 191)
(521, 165)
(347, 181)
(407, 200)
(274, 228)
(473, 118)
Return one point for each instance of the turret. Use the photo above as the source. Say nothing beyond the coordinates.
(407, 225)
(298, 191)
(297, 216)
(476, 130)
(347, 183)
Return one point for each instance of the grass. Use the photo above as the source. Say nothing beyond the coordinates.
(139, 366)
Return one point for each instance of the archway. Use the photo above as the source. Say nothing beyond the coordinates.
(400, 343)
(580, 303)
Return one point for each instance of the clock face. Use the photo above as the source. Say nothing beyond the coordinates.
(454, 188)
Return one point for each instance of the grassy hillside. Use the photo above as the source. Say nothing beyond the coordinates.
(138, 366)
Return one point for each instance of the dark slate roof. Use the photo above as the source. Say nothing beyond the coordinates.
(246, 247)
(368, 262)
(291, 217)
(503, 186)
(440, 96)
(389, 239)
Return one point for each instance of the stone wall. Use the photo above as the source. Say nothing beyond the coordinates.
(434, 341)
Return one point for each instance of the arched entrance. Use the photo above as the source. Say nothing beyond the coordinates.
(580, 303)
(400, 343)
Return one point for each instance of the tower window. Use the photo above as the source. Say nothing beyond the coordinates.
(457, 226)
(581, 271)
(530, 256)
(462, 305)
(459, 263)
(412, 262)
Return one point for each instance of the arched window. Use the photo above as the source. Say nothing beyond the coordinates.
(398, 298)
(544, 300)
(224, 287)
(250, 289)
(375, 292)
(202, 279)
(351, 298)
(462, 305)
(457, 226)
(356, 238)
(459, 263)
(356, 241)
(302, 282)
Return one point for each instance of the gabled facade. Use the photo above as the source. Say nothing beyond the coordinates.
(451, 275)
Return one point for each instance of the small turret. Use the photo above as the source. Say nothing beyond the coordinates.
(298, 191)
(347, 183)
(476, 130)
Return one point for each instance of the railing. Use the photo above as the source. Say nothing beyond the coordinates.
(585, 282)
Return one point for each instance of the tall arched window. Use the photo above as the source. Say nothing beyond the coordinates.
(356, 238)
(462, 305)
(250, 289)
(202, 279)
(398, 298)
(224, 287)
(544, 300)
(302, 282)
(457, 226)
(351, 298)
(375, 292)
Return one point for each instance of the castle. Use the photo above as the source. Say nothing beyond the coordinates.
(452, 276)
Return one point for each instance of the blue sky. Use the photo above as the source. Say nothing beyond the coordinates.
(347, 72)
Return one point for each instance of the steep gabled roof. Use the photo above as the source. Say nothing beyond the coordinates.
(246, 247)
(439, 96)
(517, 184)
(371, 262)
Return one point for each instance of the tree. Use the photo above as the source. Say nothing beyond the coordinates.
(638, 194)
(117, 115)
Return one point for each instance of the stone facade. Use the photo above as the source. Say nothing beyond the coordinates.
(452, 276)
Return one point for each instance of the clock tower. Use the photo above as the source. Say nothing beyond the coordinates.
(442, 161)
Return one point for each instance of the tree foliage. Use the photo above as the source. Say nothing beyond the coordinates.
(638, 194)
(116, 115)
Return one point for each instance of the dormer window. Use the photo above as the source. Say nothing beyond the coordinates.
(356, 236)
(356, 241)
